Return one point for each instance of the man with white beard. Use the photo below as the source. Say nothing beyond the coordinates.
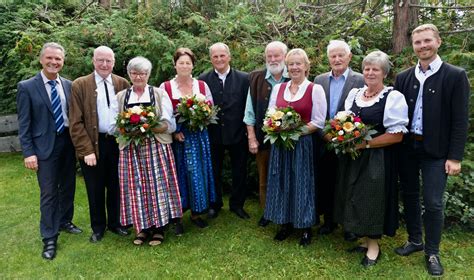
(261, 85)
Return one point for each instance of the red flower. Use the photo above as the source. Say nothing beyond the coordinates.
(189, 102)
(134, 119)
(340, 138)
(357, 119)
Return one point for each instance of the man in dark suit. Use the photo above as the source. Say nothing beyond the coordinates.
(42, 104)
(336, 84)
(92, 114)
(229, 90)
(437, 94)
(261, 84)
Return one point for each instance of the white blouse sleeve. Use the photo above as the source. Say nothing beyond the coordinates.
(167, 112)
(395, 117)
(273, 96)
(350, 99)
(208, 93)
(319, 110)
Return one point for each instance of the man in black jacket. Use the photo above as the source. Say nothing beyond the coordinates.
(437, 94)
(229, 91)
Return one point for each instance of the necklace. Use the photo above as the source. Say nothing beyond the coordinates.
(368, 96)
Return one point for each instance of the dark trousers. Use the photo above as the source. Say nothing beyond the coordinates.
(98, 179)
(326, 168)
(57, 181)
(325, 172)
(238, 161)
(414, 159)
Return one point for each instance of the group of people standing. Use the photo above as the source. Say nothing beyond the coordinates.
(421, 125)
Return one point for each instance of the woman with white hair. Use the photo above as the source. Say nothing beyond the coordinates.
(366, 191)
(149, 192)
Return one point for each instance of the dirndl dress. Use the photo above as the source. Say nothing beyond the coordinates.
(149, 192)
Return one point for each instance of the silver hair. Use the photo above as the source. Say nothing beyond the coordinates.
(219, 44)
(104, 49)
(301, 52)
(139, 63)
(338, 44)
(277, 44)
(52, 45)
(378, 58)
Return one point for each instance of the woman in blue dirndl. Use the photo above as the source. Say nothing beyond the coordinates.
(290, 200)
(191, 148)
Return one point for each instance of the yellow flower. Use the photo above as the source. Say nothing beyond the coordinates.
(348, 127)
(278, 115)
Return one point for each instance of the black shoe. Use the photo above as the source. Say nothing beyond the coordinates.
(178, 228)
(283, 233)
(357, 249)
(263, 222)
(96, 237)
(241, 213)
(408, 248)
(120, 231)
(326, 229)
(306, 237)
(200, 223)
(350, 236)
(70, 228)
(213, 213)
(433, 264)
(366, 262)
(49, 250)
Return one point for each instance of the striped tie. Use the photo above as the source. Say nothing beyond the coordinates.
(56, 106)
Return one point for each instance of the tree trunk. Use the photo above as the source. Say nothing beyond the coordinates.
(105, 4)
(405, 19)
(122, 4)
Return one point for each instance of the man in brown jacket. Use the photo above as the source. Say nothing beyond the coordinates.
(92, 113)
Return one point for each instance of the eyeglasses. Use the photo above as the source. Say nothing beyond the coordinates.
(136, 74)
(101, 60)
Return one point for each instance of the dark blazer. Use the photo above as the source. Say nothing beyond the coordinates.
(231, 99)
(354, 80)
(36, 126)
(445, 109)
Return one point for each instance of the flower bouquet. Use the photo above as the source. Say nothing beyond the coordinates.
(283, 127)
(196, 112)
(135, 124)
(347, 131)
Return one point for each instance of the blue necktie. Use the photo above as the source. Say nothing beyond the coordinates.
(56, 106)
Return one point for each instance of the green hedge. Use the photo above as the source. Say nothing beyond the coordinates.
(157, 31)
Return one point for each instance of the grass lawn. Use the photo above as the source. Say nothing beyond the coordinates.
(229, 248)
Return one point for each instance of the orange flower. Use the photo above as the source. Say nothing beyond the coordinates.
(145, 126)
(356, 133)
(338, 127)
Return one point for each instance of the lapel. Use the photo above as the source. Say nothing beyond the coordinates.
(348, 85)
(325, 85)
(41, 89)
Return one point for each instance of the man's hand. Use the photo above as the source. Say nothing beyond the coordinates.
(179, 136)
(90, 160)
(253, 146)
(452, 167)
(31, 162)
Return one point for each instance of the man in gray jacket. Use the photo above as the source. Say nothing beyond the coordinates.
(336, 84)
